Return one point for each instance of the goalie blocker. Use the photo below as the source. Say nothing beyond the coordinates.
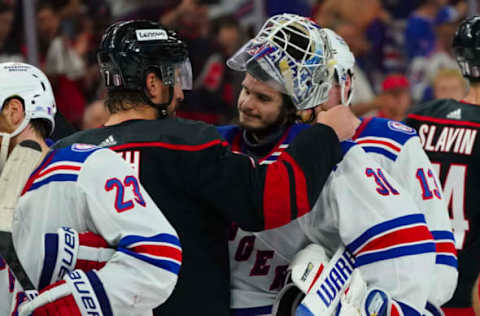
(326, 287)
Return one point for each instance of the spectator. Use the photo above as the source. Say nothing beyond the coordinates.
(216, 86)
(420, 36)
(9, 45)
(398, 99)
(96, 114)
(449, 84)
(423, 69)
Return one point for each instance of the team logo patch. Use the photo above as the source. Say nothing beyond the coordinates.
(83, 147)
(399, 127)
(151, 35)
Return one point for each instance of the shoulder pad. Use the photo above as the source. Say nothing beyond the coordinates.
(74, 153)
(384, 128)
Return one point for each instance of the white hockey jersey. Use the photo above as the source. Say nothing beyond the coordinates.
(259, 261)
(398, 150)
(92, 189)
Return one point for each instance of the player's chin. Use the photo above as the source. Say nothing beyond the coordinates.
(249, 122)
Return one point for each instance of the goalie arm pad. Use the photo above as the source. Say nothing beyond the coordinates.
(77, 294)
(68, 250)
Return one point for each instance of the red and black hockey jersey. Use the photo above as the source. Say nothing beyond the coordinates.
(448, 131)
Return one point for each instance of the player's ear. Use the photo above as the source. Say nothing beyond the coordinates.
(153, 84)
(13, 112)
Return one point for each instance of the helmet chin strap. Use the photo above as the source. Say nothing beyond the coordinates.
(6, 138)
(162, 107)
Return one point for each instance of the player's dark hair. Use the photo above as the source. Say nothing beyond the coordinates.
(41, 127)
(289, 108)
(122, 100)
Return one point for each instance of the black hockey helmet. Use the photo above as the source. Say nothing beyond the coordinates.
(130, 50)
(466, 44)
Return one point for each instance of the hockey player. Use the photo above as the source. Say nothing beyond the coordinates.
(398, 150)
(259, 261)
(86, 188)
(448, 131)
(187, 167)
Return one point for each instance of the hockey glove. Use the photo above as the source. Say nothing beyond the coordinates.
(358, 301)
(77, 294)
(68, 250)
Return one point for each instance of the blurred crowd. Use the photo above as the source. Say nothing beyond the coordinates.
(402, 48)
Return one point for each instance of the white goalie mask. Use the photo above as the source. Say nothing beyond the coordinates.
(343, 62)
(29, 84)
(291, 55)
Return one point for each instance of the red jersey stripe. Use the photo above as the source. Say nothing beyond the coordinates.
(62, 167)
(442, 121)
(161, 251)
(277, 184)
(32, 178)
(446, 247)
(172, 146)
(361, 127)
(90, 239)
(398, 237)
(303, 205)
(381, 142)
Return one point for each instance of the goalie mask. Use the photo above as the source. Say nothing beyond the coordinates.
(31, 86)
(291, 55)
(130, 50)
(343, 65)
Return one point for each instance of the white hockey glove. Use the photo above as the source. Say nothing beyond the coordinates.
(310, 270)
(77, 294)
(68, 250)
(360, 301)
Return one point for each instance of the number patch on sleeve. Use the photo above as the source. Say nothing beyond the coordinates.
(128, 183)
(383, 186)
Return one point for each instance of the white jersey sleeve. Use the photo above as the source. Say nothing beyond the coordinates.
(365, 209)
(419, 177)
(143, 272)
(91, 189)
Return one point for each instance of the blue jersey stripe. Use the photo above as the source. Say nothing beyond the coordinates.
(303, 310)
(54, 178)
(346, 145)
(380, 151)
(51, 244)
(382, 227)
(396, 252)
(129, 240)
(251, 311)
(100, 293)
(164, 264)
(442, 234)
(407, 310)
(447, 260)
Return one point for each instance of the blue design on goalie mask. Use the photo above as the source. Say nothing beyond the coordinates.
(290, 54)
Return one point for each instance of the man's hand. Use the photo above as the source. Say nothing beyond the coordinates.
(341, 119)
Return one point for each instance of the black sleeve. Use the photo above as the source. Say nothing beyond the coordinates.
(259, 197)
